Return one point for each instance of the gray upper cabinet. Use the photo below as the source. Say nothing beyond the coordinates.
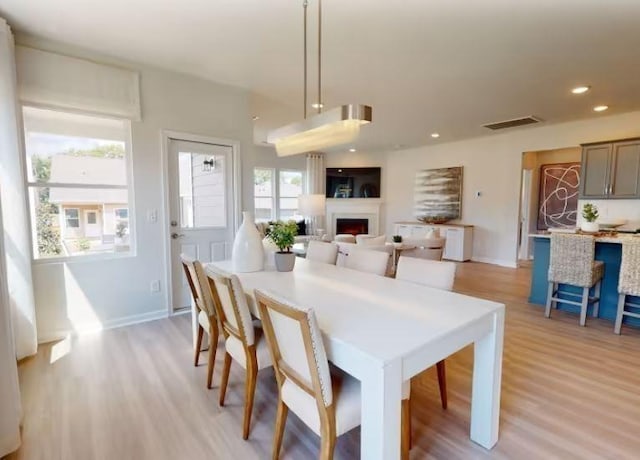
(611, 170)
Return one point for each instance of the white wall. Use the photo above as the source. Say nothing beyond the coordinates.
(86, 294)
(492, 166)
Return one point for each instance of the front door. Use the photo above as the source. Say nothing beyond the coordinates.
(201, 208)
(92, 228)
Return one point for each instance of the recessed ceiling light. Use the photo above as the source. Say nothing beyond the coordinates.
(352, 150)
(255, 118)
(315, 105)
(600, 108)
(580, 89)
(435, 135)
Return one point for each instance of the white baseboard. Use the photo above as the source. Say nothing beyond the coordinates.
(58, 334)
(502, 263)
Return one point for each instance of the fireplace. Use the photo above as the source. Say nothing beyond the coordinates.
(352, 226)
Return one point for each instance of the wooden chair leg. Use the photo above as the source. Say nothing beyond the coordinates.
(213, 347)
(547, 311)
(327, 446)
(405, 438)
(442, 382)
(618, 326)
(596, 304)
(584, 306)
(281, 421)
(225, 377)
(249, 390)
(198, 345)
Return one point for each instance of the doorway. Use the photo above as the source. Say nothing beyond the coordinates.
(202, 176)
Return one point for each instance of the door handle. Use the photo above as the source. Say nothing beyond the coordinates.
(175, 236)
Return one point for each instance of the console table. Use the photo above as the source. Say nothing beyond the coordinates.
(459, 237)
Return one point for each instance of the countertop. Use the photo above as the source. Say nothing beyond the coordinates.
(618, 239)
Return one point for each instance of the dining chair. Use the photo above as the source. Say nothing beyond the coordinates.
(368, 260)
(326, 399)
(205, 311)
(435, 274)
(319, 251)
(425, 248)
(244, 343)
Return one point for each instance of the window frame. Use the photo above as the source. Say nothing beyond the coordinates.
(66, 218)
(275, 199)
(35, 184)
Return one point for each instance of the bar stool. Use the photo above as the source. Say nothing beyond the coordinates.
(629, 283)
(571, 262)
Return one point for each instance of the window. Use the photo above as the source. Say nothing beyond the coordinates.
(77, 165)
(277, 200)
(92, 218)
(72, 217)
(264, 194)
(290, 188)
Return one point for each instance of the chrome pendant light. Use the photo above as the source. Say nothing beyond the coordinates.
(333, 127)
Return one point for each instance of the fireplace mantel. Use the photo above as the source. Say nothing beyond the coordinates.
(354, 208)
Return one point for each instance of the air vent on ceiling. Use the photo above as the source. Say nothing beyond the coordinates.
(513, 123)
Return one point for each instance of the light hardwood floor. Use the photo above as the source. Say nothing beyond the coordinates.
(133, 393)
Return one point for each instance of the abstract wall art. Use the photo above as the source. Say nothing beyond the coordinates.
(558, 199)
(438, 194)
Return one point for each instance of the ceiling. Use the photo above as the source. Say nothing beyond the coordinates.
(425, 66)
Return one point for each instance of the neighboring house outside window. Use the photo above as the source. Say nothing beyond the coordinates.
(77, 168)
(277, 199)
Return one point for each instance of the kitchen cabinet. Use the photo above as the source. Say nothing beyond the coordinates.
(611, 170)
(458, 238)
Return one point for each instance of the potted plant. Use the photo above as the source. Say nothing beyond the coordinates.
(397, 240)
(283, 235)
(590, 215)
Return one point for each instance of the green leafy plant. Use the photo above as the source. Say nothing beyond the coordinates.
(283, 234)
(84, 244)
(397, 238)
(590, 212)
(122, 228)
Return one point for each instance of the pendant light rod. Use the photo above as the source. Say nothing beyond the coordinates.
(305, 3)
(319, 56)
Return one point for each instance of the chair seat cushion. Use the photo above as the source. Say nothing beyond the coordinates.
(235, 348)
(346, 399)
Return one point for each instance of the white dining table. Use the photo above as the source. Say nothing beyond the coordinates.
(384, 331)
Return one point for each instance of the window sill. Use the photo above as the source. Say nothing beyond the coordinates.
(84, 258)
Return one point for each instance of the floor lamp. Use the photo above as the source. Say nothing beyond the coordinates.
(312, 206)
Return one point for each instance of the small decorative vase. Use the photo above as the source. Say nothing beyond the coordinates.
(285, 261)
(248, 253)
(590, 227)
(397, 244)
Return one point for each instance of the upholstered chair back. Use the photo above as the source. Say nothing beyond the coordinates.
(630, 269)
(198, 285)
(296, 346)
(370, 240)
(432, 273)
(367, 260)
(319, 251)
(571, 259)
(233, 310)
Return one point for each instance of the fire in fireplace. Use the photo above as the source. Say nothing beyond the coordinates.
(352, 226)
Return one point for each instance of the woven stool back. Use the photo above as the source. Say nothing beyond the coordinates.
(571, 259)
(630, 269)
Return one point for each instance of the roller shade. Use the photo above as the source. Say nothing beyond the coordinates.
(58, 81)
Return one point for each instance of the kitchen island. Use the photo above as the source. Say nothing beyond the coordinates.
(608, 250)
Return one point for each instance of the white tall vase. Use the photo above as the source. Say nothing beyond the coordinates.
(248, 254)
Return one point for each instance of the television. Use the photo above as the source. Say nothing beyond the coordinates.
(353, 183)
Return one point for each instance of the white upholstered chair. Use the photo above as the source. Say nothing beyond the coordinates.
(629, 282)
(435, 274)
(370, 240)
(425, 248)
(325, 399)
(319, 251)
(244, 343)
(368, 260)
(204, 310)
